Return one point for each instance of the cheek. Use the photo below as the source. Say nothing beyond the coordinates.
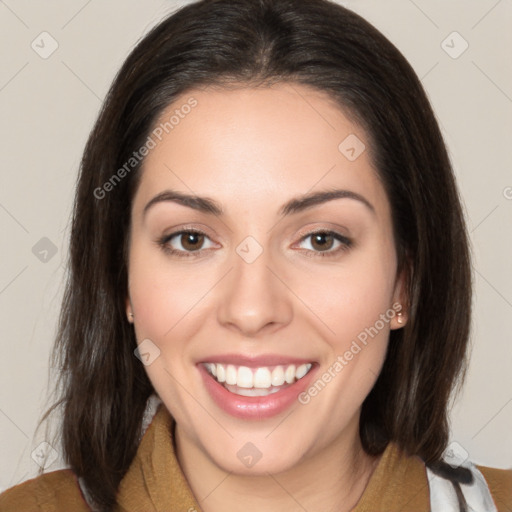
(162, 295)
(355, 303)
(164, 301)
(351, 297)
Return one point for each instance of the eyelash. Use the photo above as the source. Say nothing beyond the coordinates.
(346, 243)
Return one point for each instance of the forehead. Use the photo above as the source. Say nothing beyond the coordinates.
(254, 146)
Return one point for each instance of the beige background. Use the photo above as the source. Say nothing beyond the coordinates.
(48, 106)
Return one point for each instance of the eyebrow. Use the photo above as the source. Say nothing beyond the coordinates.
(294, 205)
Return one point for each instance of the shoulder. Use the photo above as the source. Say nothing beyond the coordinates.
(57, 490)
(499, 482)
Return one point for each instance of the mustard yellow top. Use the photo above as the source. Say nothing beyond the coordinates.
(398, 484)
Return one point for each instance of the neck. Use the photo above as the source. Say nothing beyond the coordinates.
(334, 478)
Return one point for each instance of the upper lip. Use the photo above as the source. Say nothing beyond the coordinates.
(255, 361)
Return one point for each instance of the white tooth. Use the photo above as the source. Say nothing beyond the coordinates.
(244, 377)
(221, 373)
(278, 376)
(251, 392)
(289, 374)
(262, 378)
(301, 371)
(231, 375)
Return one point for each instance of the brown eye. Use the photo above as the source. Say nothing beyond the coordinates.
(322, 241)
(184, 243)
(191, 241)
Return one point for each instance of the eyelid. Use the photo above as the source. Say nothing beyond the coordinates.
(323, 227)
(344, 241)
(164, 240)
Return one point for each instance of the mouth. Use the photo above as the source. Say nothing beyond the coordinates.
(256, 381)
(259, 387)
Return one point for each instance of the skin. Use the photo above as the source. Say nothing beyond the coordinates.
(251, 150)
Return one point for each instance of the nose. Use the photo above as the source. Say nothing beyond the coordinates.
(253, 298)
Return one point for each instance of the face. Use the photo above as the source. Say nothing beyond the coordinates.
(290, 307)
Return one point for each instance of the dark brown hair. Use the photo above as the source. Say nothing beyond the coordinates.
(316, 43)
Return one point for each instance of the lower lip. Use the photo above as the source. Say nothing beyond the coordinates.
(254, 407)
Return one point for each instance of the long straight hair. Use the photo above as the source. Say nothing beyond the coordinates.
(103, 386)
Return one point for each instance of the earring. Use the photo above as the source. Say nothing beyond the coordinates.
(130, 315)
(399, 318)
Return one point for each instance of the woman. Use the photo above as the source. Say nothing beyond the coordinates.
(269, 296)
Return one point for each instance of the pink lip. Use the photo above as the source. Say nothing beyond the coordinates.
(254, 407)
(255, 361)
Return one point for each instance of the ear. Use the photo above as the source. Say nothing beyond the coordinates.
(129, 310)
(400, 302)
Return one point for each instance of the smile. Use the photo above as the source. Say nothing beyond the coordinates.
(255, 387)
(260, 381)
